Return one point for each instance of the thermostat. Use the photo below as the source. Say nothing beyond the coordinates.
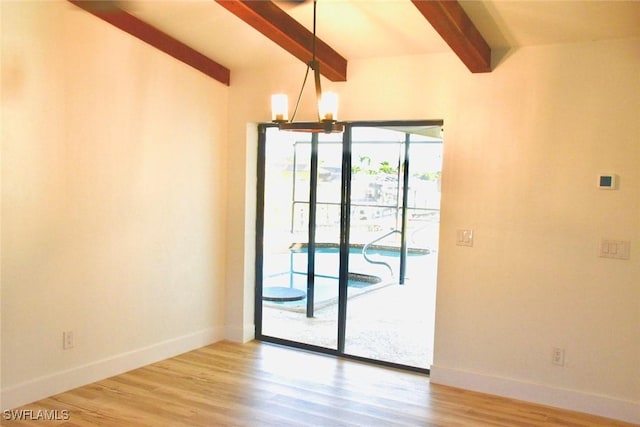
(608, 182)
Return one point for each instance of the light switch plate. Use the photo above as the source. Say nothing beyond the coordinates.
(617, 249)
(464, 238)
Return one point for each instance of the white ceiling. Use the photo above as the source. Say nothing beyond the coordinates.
(383, 28)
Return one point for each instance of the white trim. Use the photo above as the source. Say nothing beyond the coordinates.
(242, 334)
(42, 387)
(573, 400)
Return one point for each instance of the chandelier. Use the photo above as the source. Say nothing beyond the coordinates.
(327, 101)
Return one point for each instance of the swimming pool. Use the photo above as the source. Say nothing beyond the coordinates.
(364, 276)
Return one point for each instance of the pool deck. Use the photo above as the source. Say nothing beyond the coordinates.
(392, 323)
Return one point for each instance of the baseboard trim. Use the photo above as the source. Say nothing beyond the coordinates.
(59, 382)
(573, 400)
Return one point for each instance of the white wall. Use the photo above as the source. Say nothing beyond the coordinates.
(523, 147)
(113, 193)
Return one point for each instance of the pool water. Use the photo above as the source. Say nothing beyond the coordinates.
(325, 289)
(363, 275)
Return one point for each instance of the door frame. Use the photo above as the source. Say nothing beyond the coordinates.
(345, 211)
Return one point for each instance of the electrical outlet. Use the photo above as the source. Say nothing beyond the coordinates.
(67, 340)
(557, 357)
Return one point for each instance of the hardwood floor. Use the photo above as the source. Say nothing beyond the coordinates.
(257, 384)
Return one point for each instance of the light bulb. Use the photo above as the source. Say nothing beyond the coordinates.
(328, 106)
(279, 108)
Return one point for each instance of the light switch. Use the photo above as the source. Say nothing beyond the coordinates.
(464, 238)
(618, 249)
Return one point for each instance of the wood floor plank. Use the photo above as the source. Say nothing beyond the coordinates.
(257, 384)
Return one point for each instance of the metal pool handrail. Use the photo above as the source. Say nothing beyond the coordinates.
(372, 261)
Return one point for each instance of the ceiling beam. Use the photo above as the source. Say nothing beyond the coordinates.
(289, 34)
(452, 23)
(109, 12)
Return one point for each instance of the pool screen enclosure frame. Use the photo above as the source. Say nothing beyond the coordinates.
(345, 224)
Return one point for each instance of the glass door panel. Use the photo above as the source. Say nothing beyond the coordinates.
(423, 224)
(390, 319)
(296, 272)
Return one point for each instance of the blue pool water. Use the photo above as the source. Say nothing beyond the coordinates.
(325, 289)
(364, 276)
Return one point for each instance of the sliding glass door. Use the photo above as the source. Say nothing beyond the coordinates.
(300, 236)
(347, 240)
(394, 173)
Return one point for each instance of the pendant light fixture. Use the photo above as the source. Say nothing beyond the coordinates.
(327, 101)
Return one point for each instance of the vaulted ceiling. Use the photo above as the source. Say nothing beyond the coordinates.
(218, 36)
